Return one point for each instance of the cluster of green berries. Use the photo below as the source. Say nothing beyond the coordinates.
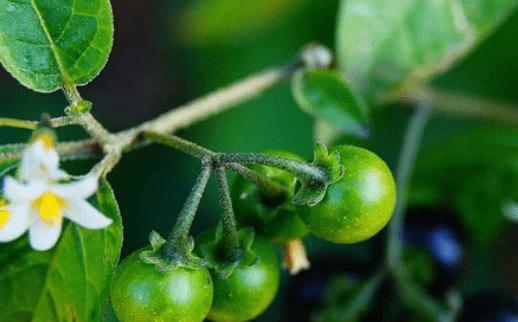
(353, 209)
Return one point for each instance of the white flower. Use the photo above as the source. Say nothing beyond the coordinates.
(39, 206)
(40, 160)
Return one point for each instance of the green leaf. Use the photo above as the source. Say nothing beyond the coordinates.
(480, 202)
(9, 157)
(477, 172)
(218, 21)
(323, 94)
(48, 44)
(384, 45)
(69, 282)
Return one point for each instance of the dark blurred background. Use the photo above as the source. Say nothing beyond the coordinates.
(169, 52)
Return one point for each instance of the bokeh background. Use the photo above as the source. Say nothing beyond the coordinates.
(169, 52)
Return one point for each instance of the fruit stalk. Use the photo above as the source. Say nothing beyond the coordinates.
(230, 238)
(179, 237)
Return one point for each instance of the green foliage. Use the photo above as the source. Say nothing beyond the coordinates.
(47, 45)
(9, 157)
(323, 94)
(389, 44)
(68, 283)
(477, 171)
(218, 21)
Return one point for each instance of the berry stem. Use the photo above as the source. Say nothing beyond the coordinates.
(230, 238)
(301, 170)
(267, 186)
(179, 237)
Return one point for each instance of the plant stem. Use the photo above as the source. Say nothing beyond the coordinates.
(416, 298)
(71, 93)
(32, 125)
(95, 129)
(216, 102)
(267, 186)
(109, 161)
(300, 169)
(361, 301)
(183, 116)
(180, 144)
(465, 106)
(413, 295)
(179, 236)
(21, 124)
(407, 159)
(230, 237)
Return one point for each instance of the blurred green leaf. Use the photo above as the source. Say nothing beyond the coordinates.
(384, 45)
(68, 283)
(477, 171)
(219, 21)
(347, 298)
(480, 201)
(47, 44)
(323, 94)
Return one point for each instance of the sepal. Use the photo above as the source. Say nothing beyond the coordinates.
(213, 252)
(312, 191)
(168, 259)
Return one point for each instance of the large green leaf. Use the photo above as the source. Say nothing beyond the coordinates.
(46, 44)
(384, 45)
(324, 95)
(67, 283)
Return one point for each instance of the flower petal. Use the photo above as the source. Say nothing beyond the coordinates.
(84, 214)
(17, 224)
(42, 236)
(39, 162)
(80, 189)
(17, 192)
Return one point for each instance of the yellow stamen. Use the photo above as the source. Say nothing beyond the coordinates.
(49, 207)
(4, 214)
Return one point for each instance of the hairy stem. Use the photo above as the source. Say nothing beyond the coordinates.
(300, 169)
(267, 186)
(228, 219)
(216, 102)
(180, 234)
(407, 158)
(180, 144)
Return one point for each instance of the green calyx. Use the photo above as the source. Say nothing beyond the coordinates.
(211, 249)
(167, 258)
(313, 190)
